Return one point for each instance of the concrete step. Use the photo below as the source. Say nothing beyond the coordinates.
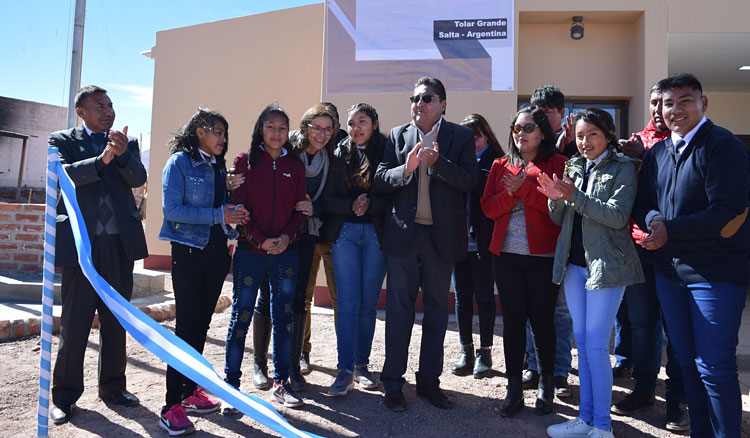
(26, 287)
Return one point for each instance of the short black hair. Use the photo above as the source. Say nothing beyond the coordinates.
(548, 96)
(86, 91)
(433, 83)
(659, 86)
(683, 80)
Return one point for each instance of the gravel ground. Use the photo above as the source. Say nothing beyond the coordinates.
(361, 413)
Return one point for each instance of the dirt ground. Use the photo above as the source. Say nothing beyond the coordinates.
(361, 413)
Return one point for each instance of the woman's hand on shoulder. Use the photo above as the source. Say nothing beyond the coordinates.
(234, 180)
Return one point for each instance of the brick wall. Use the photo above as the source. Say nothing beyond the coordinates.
(21, 237)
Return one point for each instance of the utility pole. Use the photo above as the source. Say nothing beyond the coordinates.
(76, 59)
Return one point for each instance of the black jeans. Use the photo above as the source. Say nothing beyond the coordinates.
(472, 278)
(524, 284)
(197, 278)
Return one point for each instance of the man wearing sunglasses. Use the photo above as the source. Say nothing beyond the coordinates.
(427, 167)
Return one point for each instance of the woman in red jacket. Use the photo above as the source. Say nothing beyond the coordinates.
(523, 246)
(274, 183)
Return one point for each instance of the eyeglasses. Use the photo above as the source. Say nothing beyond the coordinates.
(426, 98)
(317, 130)
(527, 128)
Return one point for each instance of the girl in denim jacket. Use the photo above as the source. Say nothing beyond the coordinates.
(194, 186)
(595, 257)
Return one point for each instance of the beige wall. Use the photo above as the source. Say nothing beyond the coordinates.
(729, 110)
(236, 67)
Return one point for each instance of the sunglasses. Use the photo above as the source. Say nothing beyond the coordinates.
(426, 98)
(317, 130)
(527, 128)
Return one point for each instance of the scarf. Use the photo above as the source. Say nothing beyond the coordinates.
(318, 164)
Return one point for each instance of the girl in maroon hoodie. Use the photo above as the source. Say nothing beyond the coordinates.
(274, 183)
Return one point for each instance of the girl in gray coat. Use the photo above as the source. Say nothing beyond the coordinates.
(595, 257)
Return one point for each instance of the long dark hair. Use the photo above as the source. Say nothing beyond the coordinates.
(360, 170)
(480, 126)
(186, 140)
(602, 120)
(257, 137)
(547, 147)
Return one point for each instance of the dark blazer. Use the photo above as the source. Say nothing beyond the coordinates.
(338, 197)
(479, 224)
(455, 173)
(703, 196)
(79, 158)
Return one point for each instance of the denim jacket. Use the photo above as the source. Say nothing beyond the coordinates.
(605, 206)
(187, 202)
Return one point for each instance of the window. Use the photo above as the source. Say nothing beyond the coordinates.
(618, 109)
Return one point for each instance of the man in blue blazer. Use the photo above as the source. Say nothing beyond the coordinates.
(104, 165)
(693, 199)
(427, 167)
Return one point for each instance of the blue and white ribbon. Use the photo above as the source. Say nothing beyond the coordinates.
(48, 285)
(163, 343)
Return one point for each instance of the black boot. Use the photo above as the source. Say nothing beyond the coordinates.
(298, 334)
(261, 339)
(514, 399)
(483, 363)
(545, 395)
(465, 361)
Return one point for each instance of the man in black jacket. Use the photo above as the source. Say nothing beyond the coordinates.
(693, 199)
(427, 166)
(104, 165)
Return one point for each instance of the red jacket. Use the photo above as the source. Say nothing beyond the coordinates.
(650, 136)
(270, 191)
(497, 204)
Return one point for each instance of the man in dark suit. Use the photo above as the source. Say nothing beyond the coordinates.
(427, 167)
(104, 165)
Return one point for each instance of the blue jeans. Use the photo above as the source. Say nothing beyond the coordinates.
(473, 279)
(623, 348)
(703, 320)
(247, 272)
(593, 313)
(359, 266)
(564, 330)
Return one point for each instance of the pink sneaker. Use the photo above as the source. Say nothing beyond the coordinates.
(200, 403)
(175, 421)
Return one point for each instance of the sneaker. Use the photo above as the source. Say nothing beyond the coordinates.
(599, 433)
(283, 393)
(175, 421)
(619, 372)
(575, 428)
(562, 390)
(342, 385)
(678, 419)
(530, 379)
(200, 403)
(633, 402)
(228, 409)
(304, 363)
(364, 378)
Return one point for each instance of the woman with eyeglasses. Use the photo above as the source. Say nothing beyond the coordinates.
(355, 222)
(273, 188)
(595, 258)
(523, 246)
(196, 214)
(472, 277)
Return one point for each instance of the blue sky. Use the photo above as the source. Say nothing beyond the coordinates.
(36, 40)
